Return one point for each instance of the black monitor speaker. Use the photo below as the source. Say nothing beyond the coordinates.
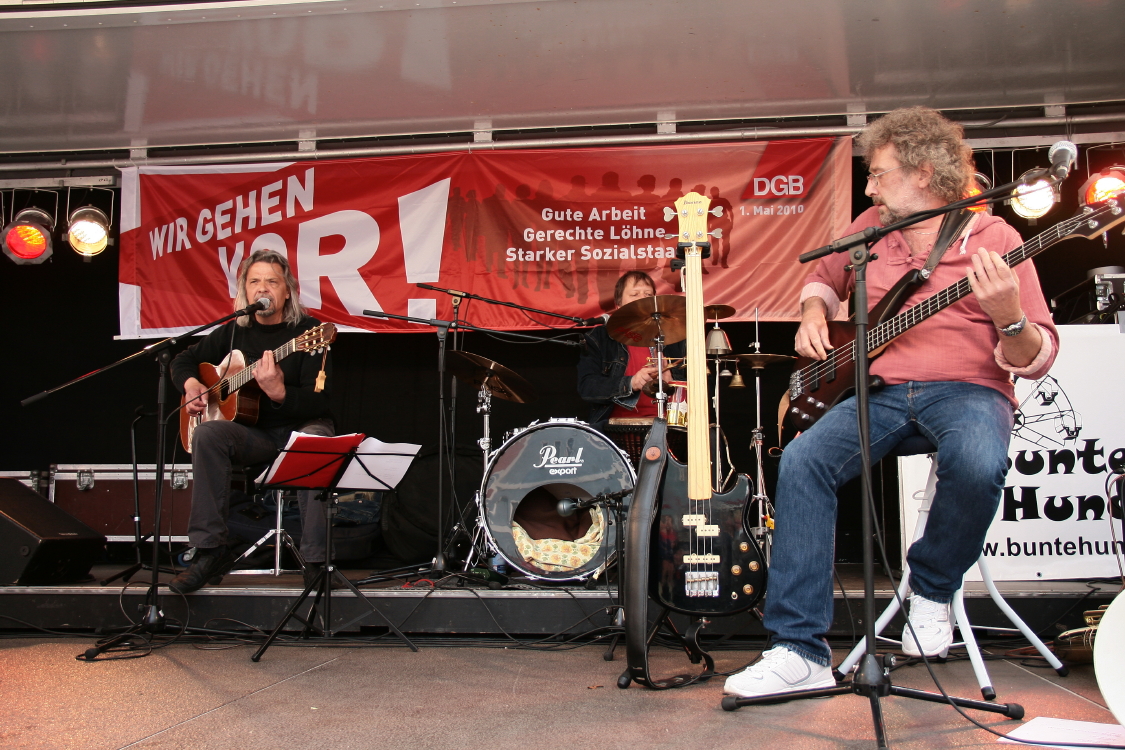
(41, 544)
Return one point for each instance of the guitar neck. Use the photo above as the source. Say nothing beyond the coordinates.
(699, 445)
(883, 333)
(245, 375)
(692, 210)
(912, 316)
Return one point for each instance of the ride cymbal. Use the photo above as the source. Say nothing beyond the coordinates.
(636, 324)
(481, 371)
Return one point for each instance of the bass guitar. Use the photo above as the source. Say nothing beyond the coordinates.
(688, 547)
(232, 393)
(815, 386)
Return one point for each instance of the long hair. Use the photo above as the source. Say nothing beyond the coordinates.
(922, 136)
(294, 311)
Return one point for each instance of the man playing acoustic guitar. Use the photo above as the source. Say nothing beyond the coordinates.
(949, 381)
(290, 401)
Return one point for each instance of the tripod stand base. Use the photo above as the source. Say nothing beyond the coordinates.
(151, 623)
(322, 585)
(1010, 710)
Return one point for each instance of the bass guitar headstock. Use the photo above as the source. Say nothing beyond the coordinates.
(1098, 218)
(691, 210)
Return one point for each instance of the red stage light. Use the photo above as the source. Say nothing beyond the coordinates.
(1103, 185)
(28, 238)
(26, 241)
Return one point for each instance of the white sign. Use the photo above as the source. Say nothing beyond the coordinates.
(1054, 517)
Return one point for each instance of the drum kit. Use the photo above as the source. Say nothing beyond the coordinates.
(549, 491)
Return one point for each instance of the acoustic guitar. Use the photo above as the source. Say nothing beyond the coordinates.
(815, 386)
(232, 393)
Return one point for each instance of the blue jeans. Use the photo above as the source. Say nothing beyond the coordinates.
(969, 424)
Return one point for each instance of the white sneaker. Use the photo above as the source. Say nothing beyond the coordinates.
(931, 625)
(779, 671)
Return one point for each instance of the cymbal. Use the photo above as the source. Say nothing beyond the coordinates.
(634, 324)
(759, 361)
(717, 312)
(481, 371)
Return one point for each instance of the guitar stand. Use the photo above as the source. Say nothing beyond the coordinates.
(139, 537)
(689, 641)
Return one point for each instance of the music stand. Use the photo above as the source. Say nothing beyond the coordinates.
(313, 462)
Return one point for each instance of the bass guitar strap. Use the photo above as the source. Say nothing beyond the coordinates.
(952, 225)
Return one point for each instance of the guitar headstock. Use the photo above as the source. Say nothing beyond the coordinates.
(315, 339)
(692, 210)
(1099, 218)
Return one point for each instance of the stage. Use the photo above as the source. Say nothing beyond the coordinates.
(351, 696)
(466, 608)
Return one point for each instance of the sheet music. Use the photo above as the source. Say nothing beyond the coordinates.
(374, 457)
(304, 463)
(1046, 729)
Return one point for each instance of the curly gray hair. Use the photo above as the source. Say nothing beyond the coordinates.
(923, 136)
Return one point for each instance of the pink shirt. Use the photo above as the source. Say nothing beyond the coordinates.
(959, 343)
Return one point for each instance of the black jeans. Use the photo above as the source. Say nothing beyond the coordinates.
(218, 446)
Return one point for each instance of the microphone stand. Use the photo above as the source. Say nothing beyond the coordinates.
(466, 295)
(153, 619)
(872, 676)
(443, 329)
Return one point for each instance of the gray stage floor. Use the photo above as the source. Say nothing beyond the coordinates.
(185, 696)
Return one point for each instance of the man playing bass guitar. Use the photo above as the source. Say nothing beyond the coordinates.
(290, 401)
(949, 380)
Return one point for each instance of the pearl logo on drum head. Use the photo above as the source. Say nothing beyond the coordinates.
(560, 465)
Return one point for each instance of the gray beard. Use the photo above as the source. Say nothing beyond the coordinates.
(888, 216)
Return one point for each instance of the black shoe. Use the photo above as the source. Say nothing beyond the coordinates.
(312, 570)
(208, 567)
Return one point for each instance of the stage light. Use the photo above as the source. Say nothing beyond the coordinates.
(27, 239)
(88, 232)
(1102, 185)
(979, 184)
(1032, 201)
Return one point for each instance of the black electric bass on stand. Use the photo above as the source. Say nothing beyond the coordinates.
(688, 547)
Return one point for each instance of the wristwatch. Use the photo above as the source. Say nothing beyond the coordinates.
(1015, 329)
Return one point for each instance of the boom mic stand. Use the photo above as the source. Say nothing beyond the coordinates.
(153, 619)
(872, 677)
(443, 328)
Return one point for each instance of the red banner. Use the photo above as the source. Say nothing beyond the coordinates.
(550, 229)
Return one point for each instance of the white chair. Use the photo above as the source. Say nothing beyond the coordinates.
(915, 446)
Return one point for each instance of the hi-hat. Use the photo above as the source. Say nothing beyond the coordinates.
(481, 371)
(717, 312)
(759, 361)
(635, 324)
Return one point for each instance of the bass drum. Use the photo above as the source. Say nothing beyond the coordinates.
(523, 483)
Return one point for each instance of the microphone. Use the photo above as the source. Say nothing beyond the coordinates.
(587, 322)
(1063, 156)
(450, 292)
(263, 303)
(568, 506)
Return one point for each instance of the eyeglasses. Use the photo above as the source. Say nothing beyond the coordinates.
(875, 177)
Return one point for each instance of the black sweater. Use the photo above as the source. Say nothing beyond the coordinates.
(300, 369)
